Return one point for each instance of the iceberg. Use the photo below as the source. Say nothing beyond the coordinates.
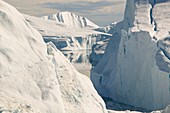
(135, 68)
(36, 77)
(64, 36)
(70, 19)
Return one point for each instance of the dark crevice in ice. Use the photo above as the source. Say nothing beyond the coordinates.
(152, 21)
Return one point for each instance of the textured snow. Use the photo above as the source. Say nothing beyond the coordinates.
(135, 67)
(76, 89)
(37, 78)
(70, 19)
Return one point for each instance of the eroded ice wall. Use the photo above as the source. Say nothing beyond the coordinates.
(135, 68)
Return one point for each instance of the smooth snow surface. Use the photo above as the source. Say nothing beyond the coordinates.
(135, 68)
(71, 19)
(37, 78)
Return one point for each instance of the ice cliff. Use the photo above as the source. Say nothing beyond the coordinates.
(35, 77)
(135, 69)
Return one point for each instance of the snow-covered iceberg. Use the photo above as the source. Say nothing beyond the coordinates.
(135, 69)
(37, 78)
(70, 19)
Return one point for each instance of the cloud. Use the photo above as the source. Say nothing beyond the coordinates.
(100, 11)
(108, 10)
(82, 6)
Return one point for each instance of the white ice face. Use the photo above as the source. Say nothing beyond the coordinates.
(136, 66)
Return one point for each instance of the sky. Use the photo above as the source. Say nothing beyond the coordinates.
(101, 12)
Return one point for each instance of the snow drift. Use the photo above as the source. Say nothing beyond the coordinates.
(135, 68)
(35, 77)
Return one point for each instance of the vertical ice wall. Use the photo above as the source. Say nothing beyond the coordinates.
(135, 68)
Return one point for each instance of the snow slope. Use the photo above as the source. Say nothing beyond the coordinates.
(135, 68)
(35, 77)
(70, 19)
